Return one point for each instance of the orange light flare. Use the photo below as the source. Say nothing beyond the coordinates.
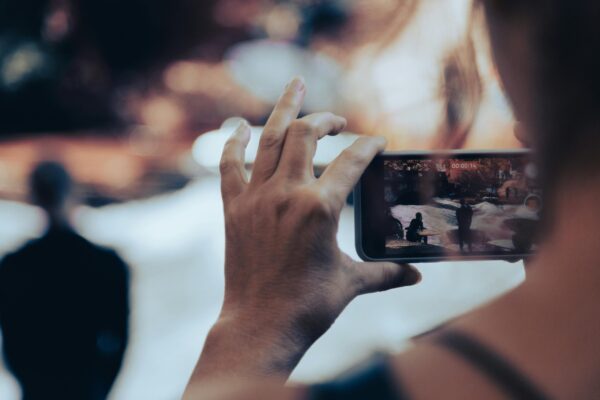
(163, 114)
(209, 93)
(96, 161)
(282, 22)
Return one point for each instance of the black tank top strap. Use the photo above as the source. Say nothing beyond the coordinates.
(373, 382)
(377, 382)
(502, 373)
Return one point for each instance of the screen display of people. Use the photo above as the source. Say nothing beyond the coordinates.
(460, 205)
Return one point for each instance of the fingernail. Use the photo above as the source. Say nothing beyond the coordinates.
(243, 127)
(297, 83)
(244, 130)
(411, 276)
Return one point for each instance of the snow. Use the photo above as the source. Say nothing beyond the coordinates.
(488, 218)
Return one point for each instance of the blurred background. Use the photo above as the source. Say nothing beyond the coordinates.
(136, 98)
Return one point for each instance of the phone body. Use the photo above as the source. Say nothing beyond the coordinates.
(452, 205)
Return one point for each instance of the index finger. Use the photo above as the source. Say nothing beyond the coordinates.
(271, 142)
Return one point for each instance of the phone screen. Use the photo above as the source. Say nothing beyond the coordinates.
(427, 207)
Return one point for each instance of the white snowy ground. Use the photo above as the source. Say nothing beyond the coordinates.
(174, 245)
(487, 218)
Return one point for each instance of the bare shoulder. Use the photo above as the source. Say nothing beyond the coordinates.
(428, 371)
(539, 331)
(434, 369)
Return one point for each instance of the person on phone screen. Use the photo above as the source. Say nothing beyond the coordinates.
(413, 232)
(63, 304)
(464, 218)
(393, 227)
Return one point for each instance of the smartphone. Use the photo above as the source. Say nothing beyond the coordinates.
(425, 207)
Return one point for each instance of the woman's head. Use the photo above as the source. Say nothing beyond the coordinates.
(548, 56)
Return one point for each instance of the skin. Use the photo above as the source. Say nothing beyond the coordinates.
(287, 281)
(284, 213)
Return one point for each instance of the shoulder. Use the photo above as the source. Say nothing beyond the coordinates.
(13, 263)
(107, 259)
(112, 262)
(21, 253)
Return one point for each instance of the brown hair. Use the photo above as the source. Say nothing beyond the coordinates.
(565, 38)
(461, 90)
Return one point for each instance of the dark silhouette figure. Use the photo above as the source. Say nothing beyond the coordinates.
(63, 304)
(392, 226)
(414, 229)
(464, 217)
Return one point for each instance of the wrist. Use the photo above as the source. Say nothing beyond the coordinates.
(244, 345)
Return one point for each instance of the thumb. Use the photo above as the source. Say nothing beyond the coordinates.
(381, 276)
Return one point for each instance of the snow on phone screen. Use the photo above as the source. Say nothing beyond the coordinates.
(460, 206)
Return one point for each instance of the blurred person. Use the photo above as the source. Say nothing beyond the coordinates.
(392, 226)
(464, 218)
(413, 232)
(525, 229)
(64, 304)
(539, 341)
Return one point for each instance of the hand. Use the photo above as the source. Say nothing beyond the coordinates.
(286, 280)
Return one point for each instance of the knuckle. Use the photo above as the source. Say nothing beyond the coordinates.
(282, 205)
(235, 211)
(375, 280)
(316, 204)
(387, 277)
(353, 155)
(391, 277)
(302, 203)
(227, 164)
(270, 138)
(365, 142)
(233, 217)
(301, 128)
